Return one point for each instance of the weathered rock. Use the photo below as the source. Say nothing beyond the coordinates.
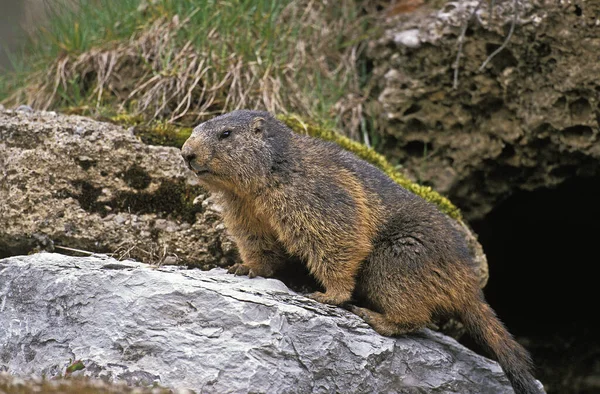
(211, 332)
(74, 182)
(530, 119)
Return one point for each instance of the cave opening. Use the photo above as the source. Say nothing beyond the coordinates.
(541, 248)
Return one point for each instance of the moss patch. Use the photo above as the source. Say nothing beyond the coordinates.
(164, 134)
(152, 133)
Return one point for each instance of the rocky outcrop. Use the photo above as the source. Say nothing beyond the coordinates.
(530, 119)
(211, 332)
(68, 181)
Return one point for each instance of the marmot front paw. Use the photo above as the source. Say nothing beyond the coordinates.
(239, 269)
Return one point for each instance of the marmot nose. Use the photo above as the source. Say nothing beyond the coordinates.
(188, 156)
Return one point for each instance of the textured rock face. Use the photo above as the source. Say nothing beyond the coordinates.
(211, 332)
(530, 119)
(70, 181)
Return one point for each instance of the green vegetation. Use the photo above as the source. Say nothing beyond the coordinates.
(183, 61)
(76, 365)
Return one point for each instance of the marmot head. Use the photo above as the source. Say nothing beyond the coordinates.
(235, 149)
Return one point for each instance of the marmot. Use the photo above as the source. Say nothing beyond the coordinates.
(362, 236)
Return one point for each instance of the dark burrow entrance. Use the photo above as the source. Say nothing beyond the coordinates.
(543, 251)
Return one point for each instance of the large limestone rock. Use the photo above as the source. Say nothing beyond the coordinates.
(211, 332)
(69, 181)
(530, 119)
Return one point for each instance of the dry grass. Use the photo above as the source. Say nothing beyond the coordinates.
(141, 250)
(189, 63)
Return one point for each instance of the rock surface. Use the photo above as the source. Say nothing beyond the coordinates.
(73, 182)
(211, 332)
(530, 119)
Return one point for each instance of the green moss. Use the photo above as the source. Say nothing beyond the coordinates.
(163, 133)
(126, 119)
(154, 133)
(369, 155)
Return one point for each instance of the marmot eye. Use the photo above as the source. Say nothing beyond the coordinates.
(225, 134)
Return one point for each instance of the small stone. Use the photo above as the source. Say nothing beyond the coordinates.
(408, 38)
(160, 224)
(211, 206)
(24, 108)
(199, 199)
(172, 227)
(170, 260)
(120, 219)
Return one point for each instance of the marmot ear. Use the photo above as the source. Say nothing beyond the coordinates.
(257, 124)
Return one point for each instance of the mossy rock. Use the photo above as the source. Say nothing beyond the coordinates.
(155, 133)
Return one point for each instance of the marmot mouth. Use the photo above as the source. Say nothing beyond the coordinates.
(197, 168)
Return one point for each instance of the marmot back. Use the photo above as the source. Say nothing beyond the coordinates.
(366, 239)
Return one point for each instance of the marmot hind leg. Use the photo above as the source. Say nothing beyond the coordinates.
(388, 325)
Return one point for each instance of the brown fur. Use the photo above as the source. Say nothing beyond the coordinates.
(363, 237)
